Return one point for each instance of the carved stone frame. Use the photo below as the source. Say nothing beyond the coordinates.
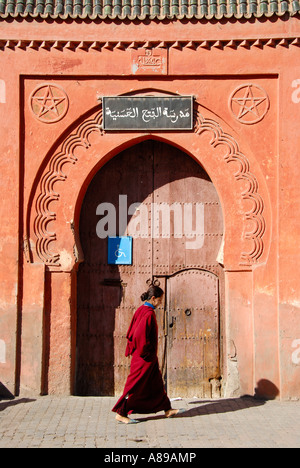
(53, 247)
(248, 194)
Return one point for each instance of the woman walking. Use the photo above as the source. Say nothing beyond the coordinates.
(144, 389)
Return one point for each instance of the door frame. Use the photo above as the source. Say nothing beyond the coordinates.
(51, 236)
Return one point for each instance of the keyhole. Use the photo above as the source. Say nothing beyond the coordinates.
(173, 322)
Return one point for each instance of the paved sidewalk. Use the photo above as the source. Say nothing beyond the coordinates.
(88, 422)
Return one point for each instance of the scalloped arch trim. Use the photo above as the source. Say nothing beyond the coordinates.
(54, 173)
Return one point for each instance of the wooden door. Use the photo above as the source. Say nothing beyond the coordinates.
(193, 333)
(108, 295)
(164, 191)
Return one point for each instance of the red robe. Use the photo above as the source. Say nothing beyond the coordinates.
(144, 390)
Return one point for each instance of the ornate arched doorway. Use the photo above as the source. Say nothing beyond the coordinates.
(164, 202)
(53, 248)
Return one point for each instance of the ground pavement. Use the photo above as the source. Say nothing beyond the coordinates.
(69, 422)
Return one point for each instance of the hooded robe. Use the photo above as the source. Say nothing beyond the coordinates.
(144, 389)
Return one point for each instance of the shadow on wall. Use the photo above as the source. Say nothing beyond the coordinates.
(5, 393)
(266, 390)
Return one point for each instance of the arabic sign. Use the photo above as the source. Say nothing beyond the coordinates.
(148, 113)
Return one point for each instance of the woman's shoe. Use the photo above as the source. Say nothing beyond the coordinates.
(176, 412)
(125, 420)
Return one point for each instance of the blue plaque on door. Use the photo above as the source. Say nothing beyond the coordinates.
(120, 250)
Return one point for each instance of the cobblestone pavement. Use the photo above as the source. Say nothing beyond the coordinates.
(69, 422)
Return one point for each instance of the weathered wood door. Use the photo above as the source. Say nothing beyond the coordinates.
(175, 219)
(193, 333)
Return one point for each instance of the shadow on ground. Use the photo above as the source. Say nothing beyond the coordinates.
(8, 399)
(205, 407)
(8, 403)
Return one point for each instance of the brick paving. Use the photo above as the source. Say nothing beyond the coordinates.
(87, 422)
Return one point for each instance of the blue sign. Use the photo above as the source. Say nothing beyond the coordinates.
(120, 250)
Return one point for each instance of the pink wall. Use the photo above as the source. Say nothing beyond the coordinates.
(251, 155)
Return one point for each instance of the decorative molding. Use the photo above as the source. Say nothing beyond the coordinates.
(80, 138)
(255, 214)
(249, 103)
(49, 103)
(98, 46)
(48, 194)
(149, 61)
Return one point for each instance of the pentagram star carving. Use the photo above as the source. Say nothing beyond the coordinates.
(249, 103)
(49, 103)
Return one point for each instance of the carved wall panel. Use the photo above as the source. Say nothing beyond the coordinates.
(249, 103)
(252, 226)
(49, 103)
